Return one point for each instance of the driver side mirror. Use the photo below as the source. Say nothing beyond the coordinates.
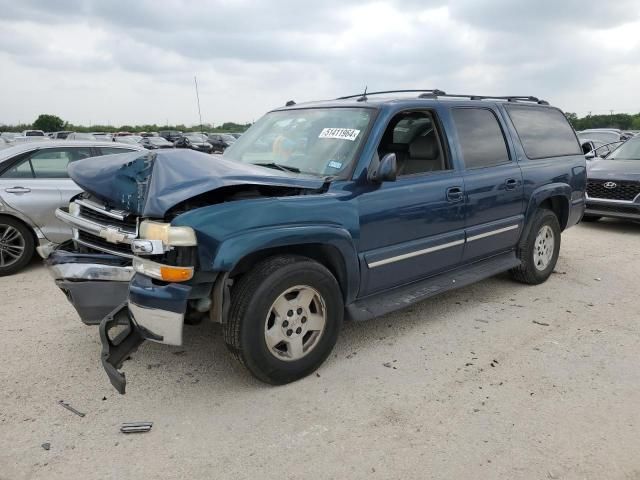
(591, 155)
(386, 171)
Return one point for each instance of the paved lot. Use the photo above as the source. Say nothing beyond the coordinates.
(461, 386)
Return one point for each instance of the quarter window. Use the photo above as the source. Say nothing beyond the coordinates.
(543, 131)
(480, 137)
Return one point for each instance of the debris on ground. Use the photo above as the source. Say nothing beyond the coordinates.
(136, 427)
(70, 408)
(544, 324)
(46, 445)
(598, 279)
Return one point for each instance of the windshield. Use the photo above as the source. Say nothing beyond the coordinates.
(630, 150)
(157, 140)
(317, 141)
(228, 138)
(197, 137)
(34, 133)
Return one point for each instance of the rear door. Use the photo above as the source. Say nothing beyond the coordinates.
(494, 193)
(38, 184)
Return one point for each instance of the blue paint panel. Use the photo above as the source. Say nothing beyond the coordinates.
(171, 297)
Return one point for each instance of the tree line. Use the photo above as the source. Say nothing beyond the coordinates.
(623, 121)
(53, 123)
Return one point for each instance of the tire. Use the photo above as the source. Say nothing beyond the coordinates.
(590, 218)
(253, 322)
(16, 246)
(544, 237)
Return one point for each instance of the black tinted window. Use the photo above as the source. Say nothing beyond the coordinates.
(112, 150)
(544, 132)
(480, 137)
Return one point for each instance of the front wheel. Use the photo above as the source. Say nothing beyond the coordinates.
(540, 250)
(284, 319)
(16, 246)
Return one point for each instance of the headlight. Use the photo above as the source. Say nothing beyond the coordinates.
(169, 235)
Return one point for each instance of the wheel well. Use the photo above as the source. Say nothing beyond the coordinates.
(27, 226)
(560, 206)
(326, 255)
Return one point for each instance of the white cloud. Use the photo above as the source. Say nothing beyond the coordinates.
(134, 62)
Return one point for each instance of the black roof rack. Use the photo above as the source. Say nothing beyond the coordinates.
(435, 93)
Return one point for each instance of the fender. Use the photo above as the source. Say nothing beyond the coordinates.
(10, 212)
(235, 248)
(541, 194)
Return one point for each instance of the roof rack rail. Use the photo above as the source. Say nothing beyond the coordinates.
(436, 93)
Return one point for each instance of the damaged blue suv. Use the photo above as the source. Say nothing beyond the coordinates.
(342, 209)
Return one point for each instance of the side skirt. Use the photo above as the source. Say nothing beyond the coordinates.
(401, 297)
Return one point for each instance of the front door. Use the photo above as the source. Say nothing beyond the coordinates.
(414, 227)
(34, 186)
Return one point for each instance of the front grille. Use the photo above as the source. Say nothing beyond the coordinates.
(622, 191)
(100, 243)
(128, 224)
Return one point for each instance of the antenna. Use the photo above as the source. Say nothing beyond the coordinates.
(195, 80)
(363, 98)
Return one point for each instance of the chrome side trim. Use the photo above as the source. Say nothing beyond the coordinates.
(161, 323)
(90, 271)
(97, 247)
(424, 251)
(492, 232)
(111, 234)
(117, 214)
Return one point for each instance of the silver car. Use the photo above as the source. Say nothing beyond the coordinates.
(33, 183)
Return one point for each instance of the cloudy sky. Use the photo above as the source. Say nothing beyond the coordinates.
(115, 62)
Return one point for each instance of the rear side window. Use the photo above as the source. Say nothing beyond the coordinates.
(480, 137)
(47, 163)
(544, 132)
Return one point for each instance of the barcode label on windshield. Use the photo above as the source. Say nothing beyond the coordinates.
(339, 133)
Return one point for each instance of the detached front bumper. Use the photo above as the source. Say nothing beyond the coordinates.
(94, 283)
(152, 312)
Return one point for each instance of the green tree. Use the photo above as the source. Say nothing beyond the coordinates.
(48, 123)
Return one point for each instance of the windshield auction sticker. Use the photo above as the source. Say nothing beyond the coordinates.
(339, 133)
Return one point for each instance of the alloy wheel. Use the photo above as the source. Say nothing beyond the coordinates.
(12, 245)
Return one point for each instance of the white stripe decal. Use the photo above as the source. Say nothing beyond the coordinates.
(424, 251)
(492, 232)
(404, 256)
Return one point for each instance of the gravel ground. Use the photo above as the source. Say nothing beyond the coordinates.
(466, 385)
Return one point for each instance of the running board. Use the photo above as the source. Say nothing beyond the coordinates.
(401, 297)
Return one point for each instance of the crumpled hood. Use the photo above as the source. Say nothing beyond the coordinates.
(614, 170)
(150, 183)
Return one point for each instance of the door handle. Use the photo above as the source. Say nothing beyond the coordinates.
(454, 194)
(17, 190)
(511, 184)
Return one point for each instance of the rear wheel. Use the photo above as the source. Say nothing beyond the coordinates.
(591, 218)
(540, 250)
(16, 246)
(285, 317)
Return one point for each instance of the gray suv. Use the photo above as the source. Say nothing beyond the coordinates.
(33, 183)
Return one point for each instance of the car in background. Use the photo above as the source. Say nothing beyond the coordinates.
(236, 135)
(33, 133)
(130, 139)
(154, 143)
(80, 136)
(194, 141)
(29, 139)
(103, 136)
(221, 141)
(33, 183)
(605, 135)
(8, 136)
(116, 137)
(149, 134)
(61, 135)
(613, 186)
(595, 148)
(171, 135)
